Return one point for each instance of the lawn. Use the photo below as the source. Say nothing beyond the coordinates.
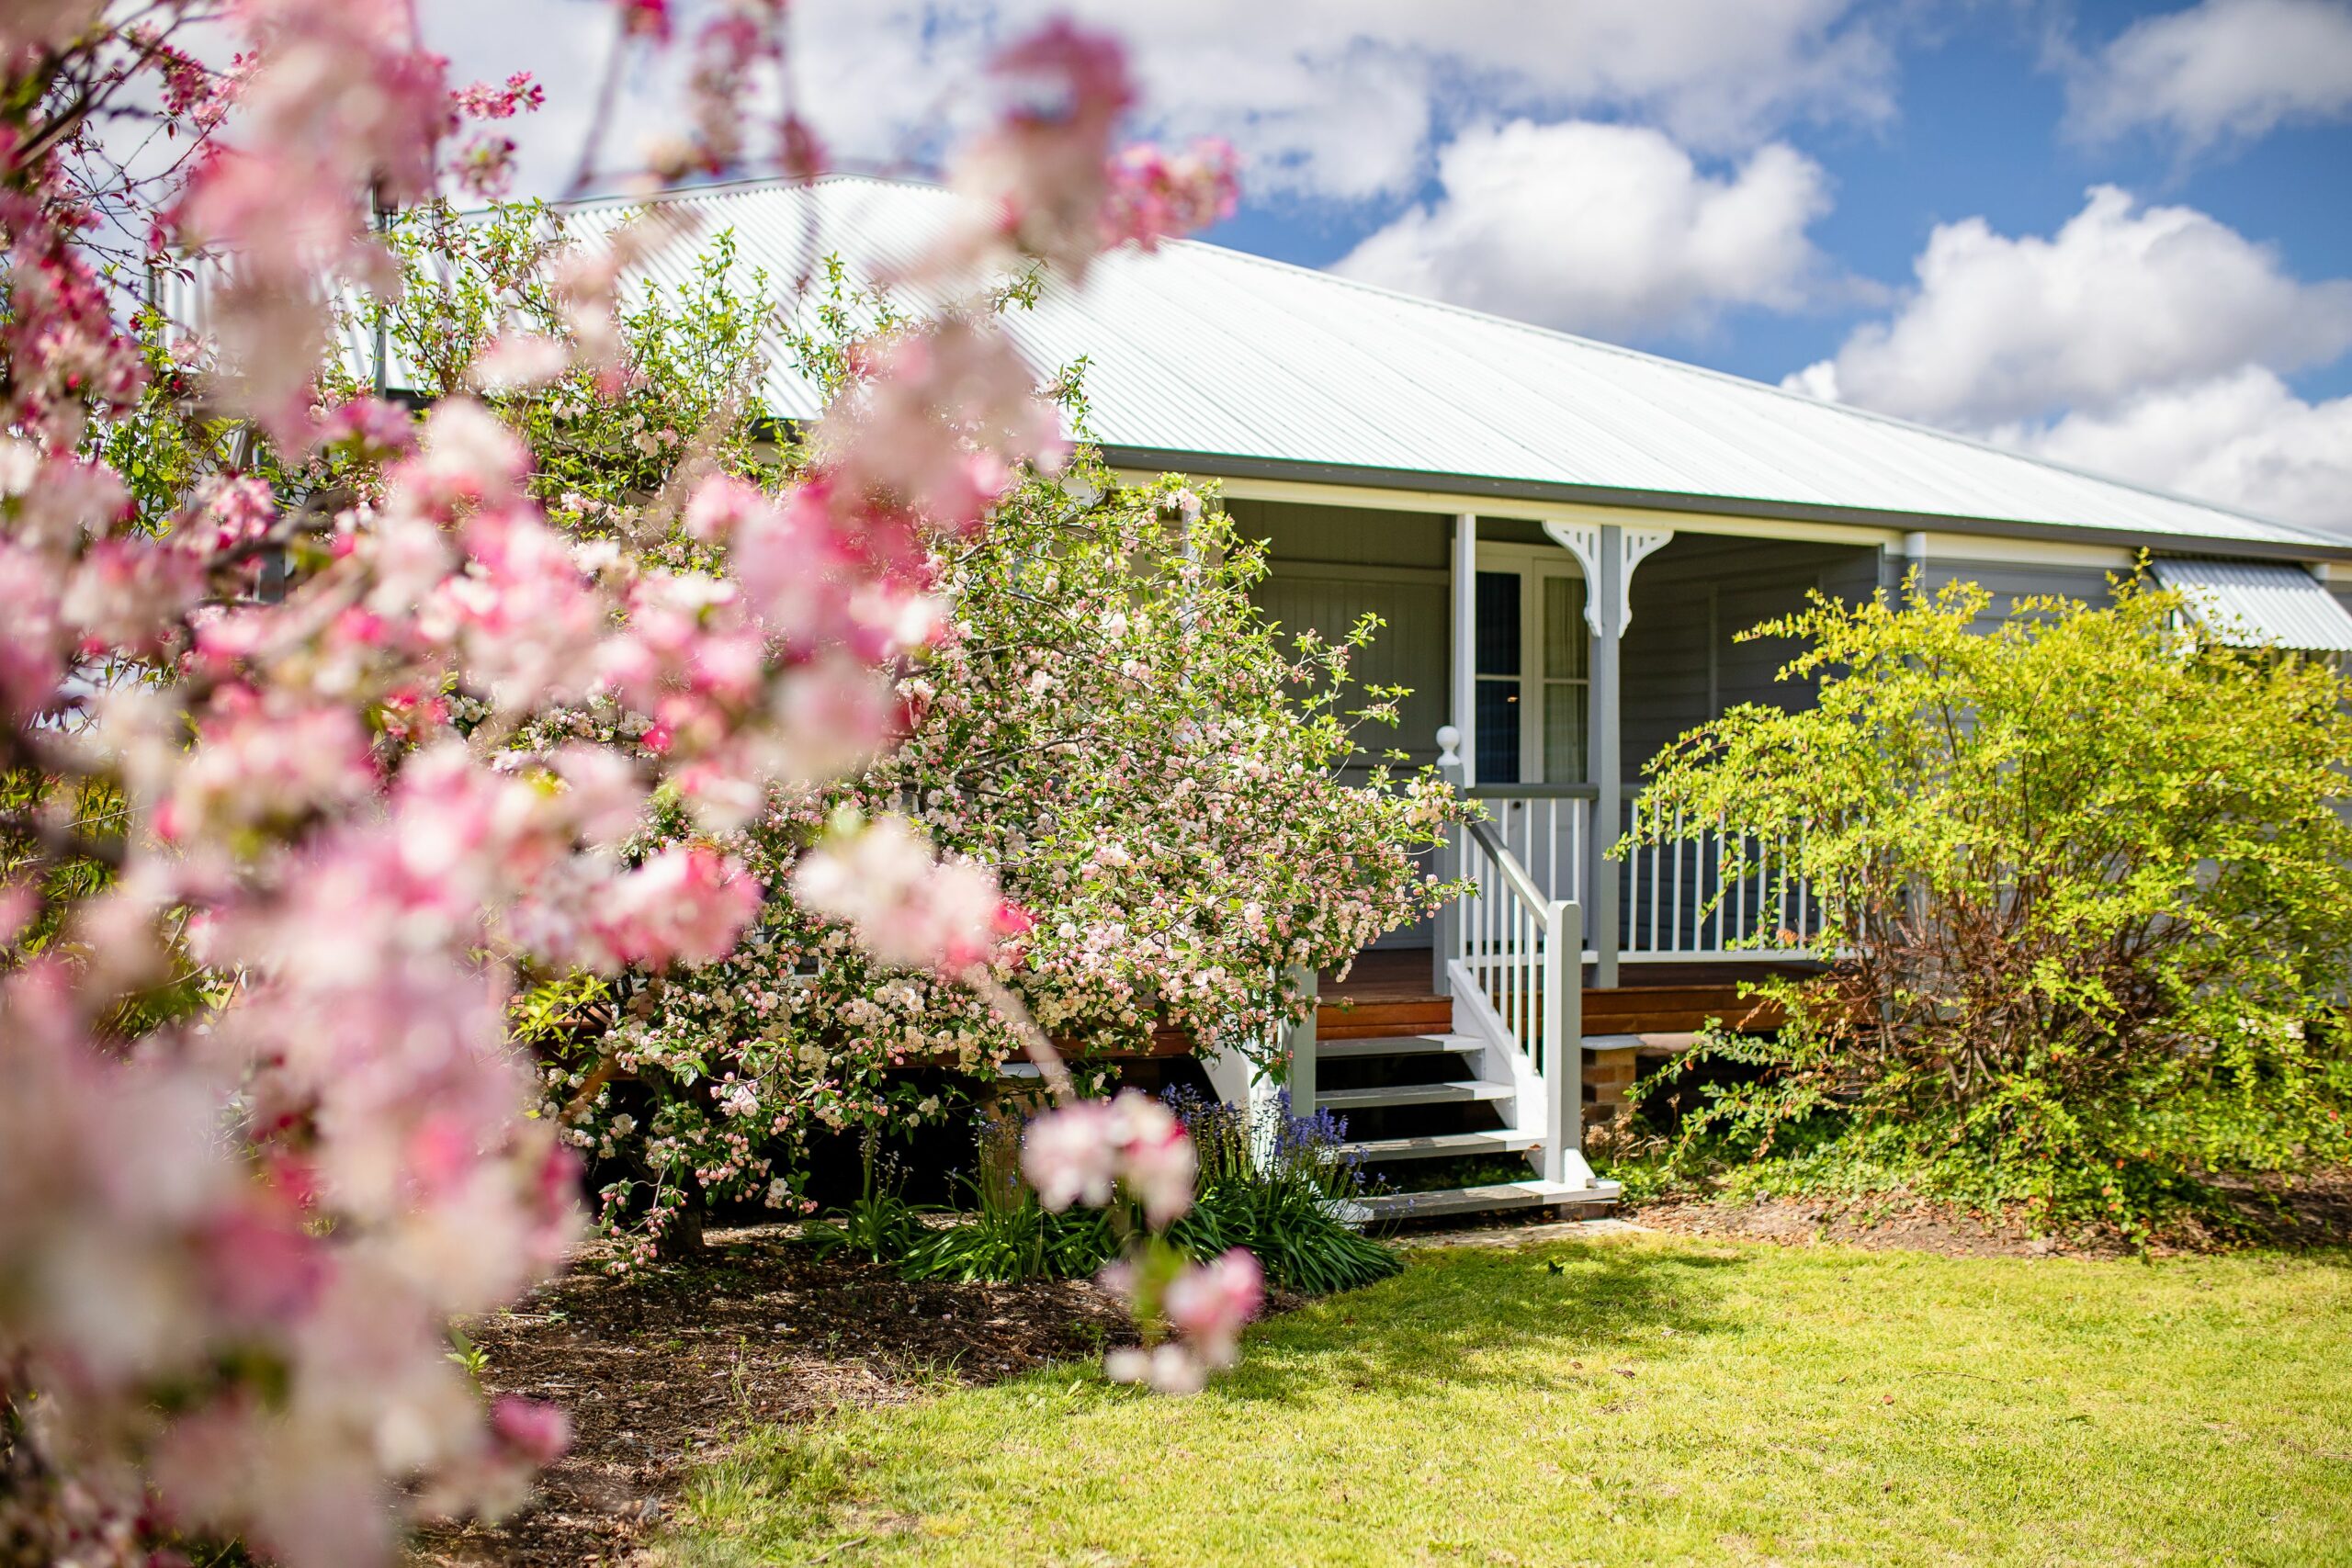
(1633, 1398)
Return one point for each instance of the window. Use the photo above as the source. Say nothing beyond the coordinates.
(1500, 661)
(1532, 668)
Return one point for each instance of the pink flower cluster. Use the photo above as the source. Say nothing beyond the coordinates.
(1156, 194)
(1082, 1153)
(884, 882)
(1207, 1305)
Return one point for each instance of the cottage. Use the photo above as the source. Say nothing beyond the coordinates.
(1563, 537)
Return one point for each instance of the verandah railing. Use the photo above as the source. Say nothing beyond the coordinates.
(1706, 891)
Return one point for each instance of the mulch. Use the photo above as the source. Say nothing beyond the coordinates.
(662, 1370)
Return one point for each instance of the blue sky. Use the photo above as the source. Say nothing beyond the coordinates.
(1890, 202)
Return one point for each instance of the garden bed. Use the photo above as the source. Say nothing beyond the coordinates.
(659, 1370)
(2313, 1212)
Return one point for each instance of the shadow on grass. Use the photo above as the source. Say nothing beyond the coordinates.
(1443, 1320)
(1473, 1318)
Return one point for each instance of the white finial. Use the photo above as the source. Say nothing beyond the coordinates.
(1448, 739)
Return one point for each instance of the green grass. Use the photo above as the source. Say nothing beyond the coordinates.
(1635, 1399)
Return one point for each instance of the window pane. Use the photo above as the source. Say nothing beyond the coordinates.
(1497, 731)
(1564, 733)
(1499, 623)
(1564, 628)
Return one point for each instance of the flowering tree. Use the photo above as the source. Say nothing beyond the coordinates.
(1105, 725)
(283, 821)
(1108, 725)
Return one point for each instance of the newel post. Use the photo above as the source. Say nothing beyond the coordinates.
(1562, 1043)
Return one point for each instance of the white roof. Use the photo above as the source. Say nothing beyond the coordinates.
(1211, 360)
(2249, 603)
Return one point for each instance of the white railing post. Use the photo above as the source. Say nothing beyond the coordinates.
(1301, 1044)
(1562, 1039)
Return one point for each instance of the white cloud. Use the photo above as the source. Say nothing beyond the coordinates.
(2244, 439)
(1339, 99)
(2121, 301)
(2144, 343)
(2221, 69)
(1605, 227)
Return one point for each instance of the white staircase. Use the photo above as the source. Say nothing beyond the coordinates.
(1515, 1049)
(1494, 1069)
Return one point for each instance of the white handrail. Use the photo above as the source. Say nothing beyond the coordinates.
(1518, 970)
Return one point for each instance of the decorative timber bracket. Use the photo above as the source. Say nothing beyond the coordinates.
(1582, 541)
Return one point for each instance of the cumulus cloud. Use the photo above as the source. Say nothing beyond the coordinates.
(1335, 100)
(2244, 439)
(1604, 228)
(2224, 69)
(2144, 343)
(2120, 301)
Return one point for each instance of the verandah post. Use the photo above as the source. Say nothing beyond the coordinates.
(1608, 768)
(1458, 760)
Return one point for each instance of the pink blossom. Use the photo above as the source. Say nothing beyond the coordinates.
(1071, 1155)
(1037, 179)
(1157, 1160)
(374, 428)
(32, 634)
(908, 908)
(1077, 1153)
(503, 100)
(230, 512)
(686, 904)
(720, 507)
(256, 764)
(934, 421)
(1156, 196)
(485, 165)
(1209, 1303)
(645, 19)
(127, 593)
(519, 360)
(539, 1431)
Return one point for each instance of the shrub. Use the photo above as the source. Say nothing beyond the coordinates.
(1282, 1186)
(880, 1225)
(2085, 893)
(1008, 1234)
(1276, 1183)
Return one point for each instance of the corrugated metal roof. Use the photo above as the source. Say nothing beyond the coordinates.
(2247, 603)
(1210, 355)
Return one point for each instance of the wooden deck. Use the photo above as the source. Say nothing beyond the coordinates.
(1389, 993)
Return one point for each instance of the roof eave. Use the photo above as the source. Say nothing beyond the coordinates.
(1220, 465)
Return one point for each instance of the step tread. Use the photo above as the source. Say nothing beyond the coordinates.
(1435, 1045)
(1462, 1091)
(1441, 1146)
(1488, 1199)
